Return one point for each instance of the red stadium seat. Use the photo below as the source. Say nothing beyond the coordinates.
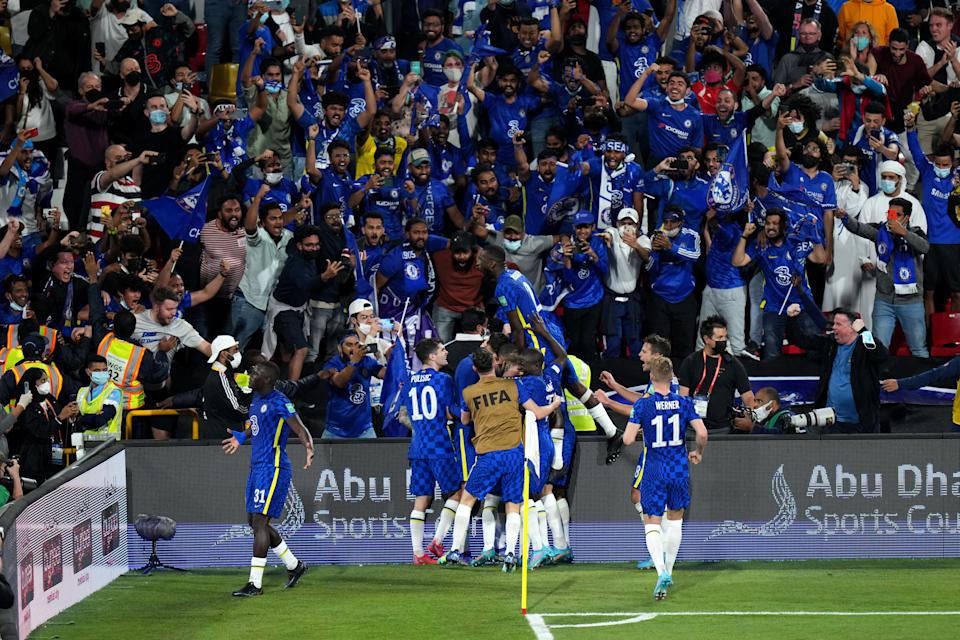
(198, 60)
(898, 343)
(945, 334)
(792, 350)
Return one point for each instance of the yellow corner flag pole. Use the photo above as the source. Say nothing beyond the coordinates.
(525, 538)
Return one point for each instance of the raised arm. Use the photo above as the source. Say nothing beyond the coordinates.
(472, 85)
(633, 99)
(669, 15)
(740, 257)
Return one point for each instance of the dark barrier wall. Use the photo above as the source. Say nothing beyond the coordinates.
(760, 498)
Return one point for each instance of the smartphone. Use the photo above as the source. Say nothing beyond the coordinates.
(31, 133)
(416, 68)
(101, 48)
(160, 158)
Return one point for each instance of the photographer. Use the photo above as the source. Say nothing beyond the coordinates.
(11, 486)
(622, 312)
(348, 374)
(768, 416)
(672, 306)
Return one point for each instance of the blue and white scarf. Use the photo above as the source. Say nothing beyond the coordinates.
(898, 251)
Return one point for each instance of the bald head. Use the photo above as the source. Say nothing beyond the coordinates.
(127, 65)
(114, 155)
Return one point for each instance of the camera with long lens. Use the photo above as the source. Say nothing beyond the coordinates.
(802, 422)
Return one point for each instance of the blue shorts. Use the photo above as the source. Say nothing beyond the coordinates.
(546, 459)
(505, 467)
(569, 448)
(267, 488)
(466, 454)
(426, 473)
(674, 493)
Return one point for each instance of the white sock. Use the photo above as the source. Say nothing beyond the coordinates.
(283, 552)
(673, 533)
(256, 571)
(489, 519)
(600, 417)
(533, 527)
(564, 508)
(542, 523)
(654, 537)
(513, 532)
(447, 514)
(639, 508)
(461, 524)
(553, 519)
(416, 531)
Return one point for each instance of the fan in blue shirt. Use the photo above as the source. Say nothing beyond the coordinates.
(675, 250)
(614, 182)
(671, 122)
(384, 193)
(938, 183)
(434, 48)
(334, 184)
(348, 381)
(760, 37)
(431, 199)
(877, 142)
(807, 177)
(508, 112)
(488, 198)
(688, 190)
(636, 42)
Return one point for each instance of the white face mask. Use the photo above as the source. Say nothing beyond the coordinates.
(453, 73)
(365, 327)
(273, 178)
(761, 413)
(235, 360)
(44, 389)
(672, 233)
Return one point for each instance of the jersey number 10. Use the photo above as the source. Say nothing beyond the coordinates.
(424, 403)
(674, 421)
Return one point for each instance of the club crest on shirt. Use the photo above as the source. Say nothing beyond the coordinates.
(412, 271)
(687, 123)
(357, 394)
(584, 273)
(783, 275)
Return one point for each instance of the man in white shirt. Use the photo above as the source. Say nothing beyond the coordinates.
(622, 312)
(161, 321)
(941, 54)
(105, 27)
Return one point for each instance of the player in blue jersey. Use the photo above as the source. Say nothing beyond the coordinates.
(431, 400)
(271, 419)
(517, 301)
(665, 477)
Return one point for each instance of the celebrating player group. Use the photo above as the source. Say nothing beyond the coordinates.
(473, 434)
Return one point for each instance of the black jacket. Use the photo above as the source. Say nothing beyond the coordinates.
(865, 365)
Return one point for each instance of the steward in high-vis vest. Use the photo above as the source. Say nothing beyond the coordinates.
(68, 357)
(33, 346)
(101, 403)
(129, 363)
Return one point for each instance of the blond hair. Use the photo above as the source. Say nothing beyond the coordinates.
(661, 369)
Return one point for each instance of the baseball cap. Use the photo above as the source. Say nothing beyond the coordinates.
(628, 213)
(132, 17)
(582, 218)
(33, 345)
(219, 344)
(672, 215)
(385, 42)
(358, 305)
(513, 223)
(419, 157)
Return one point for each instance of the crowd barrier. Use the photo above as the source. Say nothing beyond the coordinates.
(65, 540)
(771, 498)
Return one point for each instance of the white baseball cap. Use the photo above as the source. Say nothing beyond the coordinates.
(358, 305)
(628, 213)
(219, 344)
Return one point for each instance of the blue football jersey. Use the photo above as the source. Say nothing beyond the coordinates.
(427, 399)
(269, 429)
(536, 388)
(664, 420)
(515, 293)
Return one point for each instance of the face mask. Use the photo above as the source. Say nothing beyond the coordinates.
(99, 378)
(44, 389)
(134, 265)
(809, 162)
(675, 102)
(365, 327)
(762, 413)
(712, 77)
(942, 172)
(796, 127)
(235, 360)
(862, 42)
(93, 95)
(311, 255)
(272, 87)
(672, 233)
(15, 306)
(888, 186)
(453, 74)
(132, 78)
(578, 40)
(511, 245)
(158, 117)
(720, 346)
(273, 178)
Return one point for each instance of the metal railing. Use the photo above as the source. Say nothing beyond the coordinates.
(149, 413)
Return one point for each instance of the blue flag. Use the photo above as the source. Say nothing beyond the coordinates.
(181, 217)
(395, 383)
(731, 187)
(9, 77)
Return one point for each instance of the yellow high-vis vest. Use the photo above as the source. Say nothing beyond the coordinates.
(91, 406)
(123, 363)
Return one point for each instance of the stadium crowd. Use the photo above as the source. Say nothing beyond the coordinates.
(307, 181)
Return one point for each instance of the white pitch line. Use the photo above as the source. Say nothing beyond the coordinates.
(542, 630)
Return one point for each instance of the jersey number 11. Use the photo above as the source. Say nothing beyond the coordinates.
(674, 421)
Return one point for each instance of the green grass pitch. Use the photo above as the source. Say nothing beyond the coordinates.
(377, 601)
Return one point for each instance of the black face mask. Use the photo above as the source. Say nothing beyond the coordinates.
(809, 162)
(93, 95)
(311, 255)
(578, 40)
(720, 346)
(134, 266)
(132, 79)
